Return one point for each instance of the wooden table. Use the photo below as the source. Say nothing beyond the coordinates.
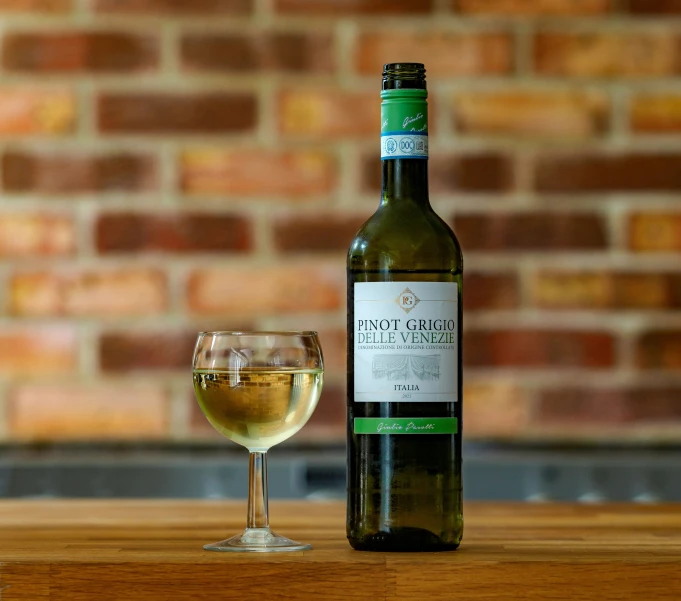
(134, 550)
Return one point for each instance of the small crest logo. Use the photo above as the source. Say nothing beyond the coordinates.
(407, 145)
(407, 300)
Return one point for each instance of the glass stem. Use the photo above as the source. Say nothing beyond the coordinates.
(257, 491)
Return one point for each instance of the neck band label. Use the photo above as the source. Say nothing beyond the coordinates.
(404, 124)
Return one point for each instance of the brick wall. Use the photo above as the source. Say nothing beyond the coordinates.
(172, 165)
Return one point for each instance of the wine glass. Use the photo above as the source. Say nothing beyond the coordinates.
(258, 389)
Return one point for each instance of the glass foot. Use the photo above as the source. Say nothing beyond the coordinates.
(257, 540)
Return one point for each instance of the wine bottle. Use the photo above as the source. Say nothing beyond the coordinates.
(404, 272)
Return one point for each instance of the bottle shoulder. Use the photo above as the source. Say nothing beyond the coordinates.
(410, 238)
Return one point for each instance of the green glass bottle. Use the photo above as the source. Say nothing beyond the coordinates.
(404, 346)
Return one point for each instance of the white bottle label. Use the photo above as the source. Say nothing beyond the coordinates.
(406, 342)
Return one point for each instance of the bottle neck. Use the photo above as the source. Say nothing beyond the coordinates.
(405, 181)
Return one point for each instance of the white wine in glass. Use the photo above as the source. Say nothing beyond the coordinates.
(258, 407)
(257, 389)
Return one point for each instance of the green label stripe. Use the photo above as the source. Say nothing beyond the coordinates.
(404, 117)
(406, 425)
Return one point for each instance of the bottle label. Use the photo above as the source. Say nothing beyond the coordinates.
(404, 124)
(406, 425)
(406, 342)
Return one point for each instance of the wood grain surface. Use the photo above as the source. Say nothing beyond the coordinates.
(134, 550)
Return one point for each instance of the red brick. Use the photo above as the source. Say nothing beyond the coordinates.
(487, 172)
(353, 7)
(490, 291)
(606, 290)
(566, 8)
(444, 53)
(79, 52)
(598, 408)
(174, 232)
(294, 174)
(64, 173)
(531, 231)
(538, 348)
(36, 111)
(154, 113)
(654, 7)
(271, 51)
(39, 352)
(655, 232)
(317, 233)
(37, 6)
(175, 7)
(146, 350)
(88, 412)
(609, 54)
(36, 234)
(573, 290)
(299, 288)
(633, 172)
(532, 114)
(328, 114)
(98, 292)
(659, 349)
(656, 113)
(495, 410)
